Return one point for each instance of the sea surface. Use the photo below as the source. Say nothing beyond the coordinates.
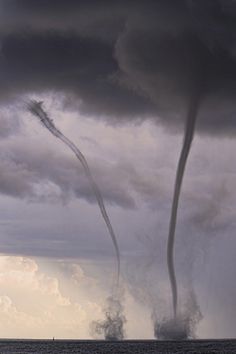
(119, 347)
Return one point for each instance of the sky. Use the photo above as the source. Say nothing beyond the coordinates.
(117, 78)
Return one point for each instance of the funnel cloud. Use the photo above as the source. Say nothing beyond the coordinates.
(36, 108)
(188, 137)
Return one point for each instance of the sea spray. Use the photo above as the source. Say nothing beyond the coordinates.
(183, 325)
(112, 326)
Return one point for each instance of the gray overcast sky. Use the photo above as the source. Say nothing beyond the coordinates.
(116, 78)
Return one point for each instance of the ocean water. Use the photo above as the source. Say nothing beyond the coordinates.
(119, 347)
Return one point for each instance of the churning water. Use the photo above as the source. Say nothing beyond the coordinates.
(124, 347)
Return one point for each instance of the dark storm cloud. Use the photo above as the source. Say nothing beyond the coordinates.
(82, 68)
(124, 59)
(184, 49)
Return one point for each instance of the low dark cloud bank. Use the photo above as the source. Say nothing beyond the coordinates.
(24, 169)
(124, 59)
